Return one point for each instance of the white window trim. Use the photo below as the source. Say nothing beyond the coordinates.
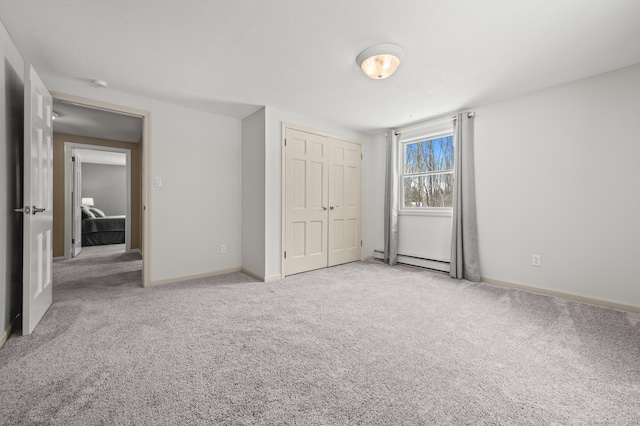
(419, 211)
(426, 211)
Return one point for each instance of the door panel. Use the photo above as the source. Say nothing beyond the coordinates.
(299, 184)
(316, 186)
(317, 246)
(337, 185)
(299, 231)
(306, 160)
(38, 217)
(344, 201)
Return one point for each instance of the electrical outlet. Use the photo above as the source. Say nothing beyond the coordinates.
(223, 248)
(536, 260)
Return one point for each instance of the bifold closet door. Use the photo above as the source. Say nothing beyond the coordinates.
(322, 201)
(306, 192)
(345, 160)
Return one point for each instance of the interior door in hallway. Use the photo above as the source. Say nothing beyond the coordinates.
(76, 232)
(345, 173)
(38, 200)
(306, 197)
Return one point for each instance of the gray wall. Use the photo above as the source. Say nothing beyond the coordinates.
(11, 180)
(107, 185)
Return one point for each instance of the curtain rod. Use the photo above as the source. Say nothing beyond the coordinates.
(423, 123)
(470, 114)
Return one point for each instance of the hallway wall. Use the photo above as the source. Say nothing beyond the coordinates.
(11, 188)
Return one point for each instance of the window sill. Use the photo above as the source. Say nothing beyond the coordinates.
(442, 212)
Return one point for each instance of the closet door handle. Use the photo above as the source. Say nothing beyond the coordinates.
(324, 208)
(331, 207)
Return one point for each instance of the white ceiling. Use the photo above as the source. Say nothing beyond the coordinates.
(299, 55)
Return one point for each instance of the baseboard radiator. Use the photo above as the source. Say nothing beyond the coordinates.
(437, 265)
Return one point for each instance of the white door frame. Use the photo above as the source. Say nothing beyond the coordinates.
(146, 155)
(283, 182)
(76, 202)
(69, 147)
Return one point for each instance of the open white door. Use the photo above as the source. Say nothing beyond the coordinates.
(38, 214)
(76, 237)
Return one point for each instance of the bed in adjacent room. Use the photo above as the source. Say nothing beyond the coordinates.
(100, 229)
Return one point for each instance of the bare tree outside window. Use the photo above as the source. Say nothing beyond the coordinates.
(428, 173)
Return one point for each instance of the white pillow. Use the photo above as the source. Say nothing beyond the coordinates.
(86, 213)
(97, 212)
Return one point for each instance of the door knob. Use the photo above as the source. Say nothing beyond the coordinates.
(25, 210)
(331, 207)
(324, 208)
(37, 210)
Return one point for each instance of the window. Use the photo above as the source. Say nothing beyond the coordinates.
(427, 172)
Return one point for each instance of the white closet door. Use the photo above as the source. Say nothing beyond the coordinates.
(306, 162)
(345, 173)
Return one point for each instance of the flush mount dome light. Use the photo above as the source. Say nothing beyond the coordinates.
(100, 83)
(380, 61)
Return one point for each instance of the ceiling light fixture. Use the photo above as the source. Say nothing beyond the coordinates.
(99, 83)
(380, 61)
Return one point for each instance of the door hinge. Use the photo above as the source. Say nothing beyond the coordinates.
(362, 156)
(285, 141)
(285, 254)
(73, 241)
(73, 159)
(360, 243)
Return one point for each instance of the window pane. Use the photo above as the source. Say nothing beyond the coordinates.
(431, 155)
(429, 191)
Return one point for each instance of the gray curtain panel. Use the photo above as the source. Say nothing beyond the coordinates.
(391, 201)
(465, 263)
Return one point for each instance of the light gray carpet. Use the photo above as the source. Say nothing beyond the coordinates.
(103, 250)
(362, 343)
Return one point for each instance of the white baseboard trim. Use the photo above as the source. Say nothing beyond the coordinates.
(562, 294)
(368, 258)
(271, 278)
(268, 279)
(193, 277)
(416, 261)
(252, 274)
(5, 334)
